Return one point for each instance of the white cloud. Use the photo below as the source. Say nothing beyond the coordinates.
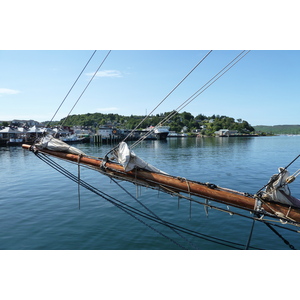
(107, 73)
(8, 91)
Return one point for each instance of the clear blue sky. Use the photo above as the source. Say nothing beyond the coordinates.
(263, 88)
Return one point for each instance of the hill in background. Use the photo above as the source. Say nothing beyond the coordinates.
(278, 129)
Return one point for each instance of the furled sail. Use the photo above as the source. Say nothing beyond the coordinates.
(129, 160)
(277, 189)
(51, 143)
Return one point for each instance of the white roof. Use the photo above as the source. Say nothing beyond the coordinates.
(35, 129)
(8, 130)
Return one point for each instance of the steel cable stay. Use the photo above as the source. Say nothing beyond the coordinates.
(95, 73)
(146, 117)
(168, 94)
(71, 88)
(139, 215)
(133, 211)
(196, 94)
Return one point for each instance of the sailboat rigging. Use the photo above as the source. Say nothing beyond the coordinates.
(274, 201)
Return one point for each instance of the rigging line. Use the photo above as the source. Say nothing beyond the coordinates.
(250, 235)
(197, 93)
(71, 176)
(86, 87)
(170, 191)
(125, 207)
(70, 89)
(277, 233)
(186, 102)
(154, 214)
(202, 89)
(209, 83)
(169, 94)
(212, 206)
(182, 229)
(78, 185)
(276, 177)
(213, 79)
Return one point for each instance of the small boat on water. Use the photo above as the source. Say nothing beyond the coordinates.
(15, 142)
(160, 132)
(74, 139)
(173, 134)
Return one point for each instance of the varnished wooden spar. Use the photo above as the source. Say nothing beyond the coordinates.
(177, 184)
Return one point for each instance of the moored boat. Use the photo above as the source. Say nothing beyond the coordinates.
(160, 132)
(74, 139)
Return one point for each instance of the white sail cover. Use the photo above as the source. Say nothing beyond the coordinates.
(51, 143)
(279, 191)
(129, 160)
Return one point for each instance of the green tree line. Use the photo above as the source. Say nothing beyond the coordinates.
(279, 129)
(206, 125)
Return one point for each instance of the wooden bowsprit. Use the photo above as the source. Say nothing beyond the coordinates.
(173, 184)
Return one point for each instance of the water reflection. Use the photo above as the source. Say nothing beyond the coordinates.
(39, 207)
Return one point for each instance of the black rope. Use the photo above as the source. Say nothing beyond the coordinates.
(250, 235)
(131, 210)
(78, 185)
(100, 193)
(148, 184)
(154, 214)
(284, 240)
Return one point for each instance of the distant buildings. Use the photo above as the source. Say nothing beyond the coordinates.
(225, 133)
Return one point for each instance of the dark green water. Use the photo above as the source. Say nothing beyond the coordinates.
(39, 206)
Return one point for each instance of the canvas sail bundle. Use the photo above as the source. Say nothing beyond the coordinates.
(129, 160)
(51, 143)
(277, 189)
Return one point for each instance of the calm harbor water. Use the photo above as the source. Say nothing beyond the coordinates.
(39, 206)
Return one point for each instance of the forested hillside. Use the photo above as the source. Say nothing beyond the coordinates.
(279, 129)
(181, 121)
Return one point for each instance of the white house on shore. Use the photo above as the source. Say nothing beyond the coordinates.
(225, 132)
